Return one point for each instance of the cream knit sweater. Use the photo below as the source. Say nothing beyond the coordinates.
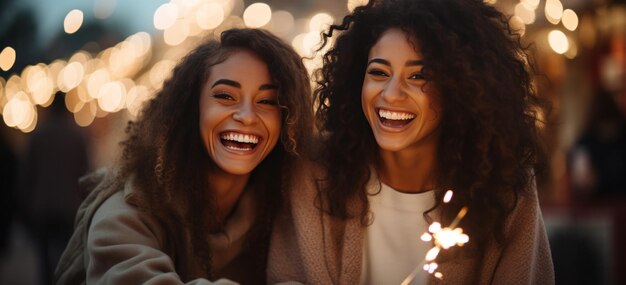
(310, 247)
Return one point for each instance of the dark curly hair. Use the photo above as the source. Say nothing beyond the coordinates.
(489, 142)
(165, 156)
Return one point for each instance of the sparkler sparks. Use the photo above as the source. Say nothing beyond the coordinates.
(443, 238)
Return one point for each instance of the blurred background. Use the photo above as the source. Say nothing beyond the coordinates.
(73, 72)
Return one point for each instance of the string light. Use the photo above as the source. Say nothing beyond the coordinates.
(129, 70)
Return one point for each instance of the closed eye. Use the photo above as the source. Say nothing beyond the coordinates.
(377, 72)
(223, 96)
(268, 102)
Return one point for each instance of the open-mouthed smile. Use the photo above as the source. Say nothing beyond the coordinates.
(238, 141)
(394, 119)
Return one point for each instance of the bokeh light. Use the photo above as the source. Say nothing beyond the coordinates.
(525, 13)
(257, 15)
(165, 16)
(85, 116)
(531, 4)
(73, 21)
(282, 23)
(111, 96)
(320, 22)
(554, 11)
(177, 33)
(210, 15)
(517, 25)
(7, 58)
(570, 20)
(356, 3)
(558, 41)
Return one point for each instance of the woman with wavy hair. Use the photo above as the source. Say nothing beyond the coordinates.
(416, 97)
(202, 170)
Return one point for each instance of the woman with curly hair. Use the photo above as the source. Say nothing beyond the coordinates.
(202, 170)
(416, 97)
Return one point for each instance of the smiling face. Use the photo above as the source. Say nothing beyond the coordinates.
(400, 112)
(240, 119)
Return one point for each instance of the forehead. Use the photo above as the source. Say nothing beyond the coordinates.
(241, 65)
(395, 43)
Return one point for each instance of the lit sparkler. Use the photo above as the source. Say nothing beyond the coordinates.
(443, 238)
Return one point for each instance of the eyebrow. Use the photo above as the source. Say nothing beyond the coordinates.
(386, 62)
(238, 85)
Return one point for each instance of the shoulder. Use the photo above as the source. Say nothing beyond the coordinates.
(120, 219)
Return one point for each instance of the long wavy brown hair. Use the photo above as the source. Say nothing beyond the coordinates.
(165, 156)
(489, 143)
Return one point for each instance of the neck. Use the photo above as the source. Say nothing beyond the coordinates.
(410, 170)
(226, 188)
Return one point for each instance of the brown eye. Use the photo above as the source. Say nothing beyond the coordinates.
(417, 76)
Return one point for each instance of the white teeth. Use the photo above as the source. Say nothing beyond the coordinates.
(238, 148)
(390, 115)
(240, 138)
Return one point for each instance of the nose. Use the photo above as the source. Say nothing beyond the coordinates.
(245, 114)
(394, 90)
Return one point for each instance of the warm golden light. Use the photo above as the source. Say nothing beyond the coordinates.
(356, 3)
(17, 111)
(320, 22)
(257, 15)
(80, 56)
(558, 41)
(571, 53)
(73, 103)
(7, 58)
(177, 33)
(13, 86)
(191, 3)
(448, 237)
(111, 97)
(136, 98)
(85, 116)
(553, 11)
(532, 4)
(39, 84)
(55, 68)
(517, 25)
(73, 21)
(96, 80)
(434, 227)
(432, 254)
(210, 15)
(142, 43)
(426, 237)
(448, 196)
(165, 16)
(70, 76)
(570, 20)
(160, 71)
(527, 15)
(282, 23)
(31, 123)
(310, 43)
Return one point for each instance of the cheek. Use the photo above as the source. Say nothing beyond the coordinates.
(273, 123)
(369, 90)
